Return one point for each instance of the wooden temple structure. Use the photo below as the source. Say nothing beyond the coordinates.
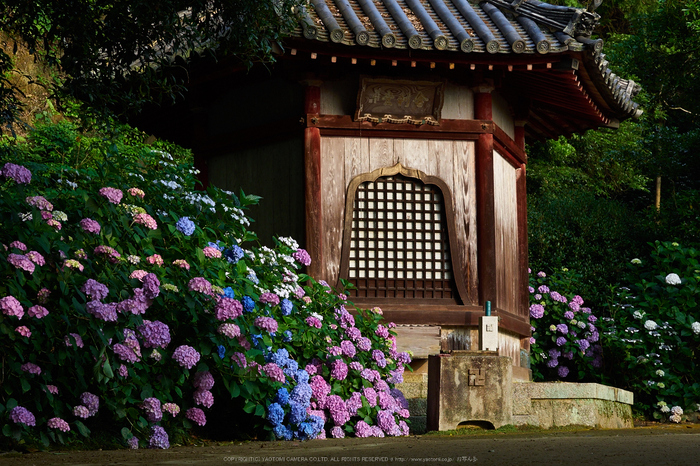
(389, 139)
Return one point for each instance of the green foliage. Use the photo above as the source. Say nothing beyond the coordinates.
(565, 343)
(235, 308)
(585, 233)
(119, 55)
(655, 339)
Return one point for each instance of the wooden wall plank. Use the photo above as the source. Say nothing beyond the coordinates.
(415, 155)
(458, 103)
(333, 210)
(356, 158)
(381, 153)
(506, 229)
(464, 196)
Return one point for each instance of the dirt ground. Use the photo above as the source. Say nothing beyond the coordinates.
(657, 445)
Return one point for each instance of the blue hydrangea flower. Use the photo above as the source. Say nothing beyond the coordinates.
(286, 307)
(282, 432)
(234, 254)
(302, 377)
(255, 339)
(215, 246)
(297, 413)
(185, 226)
(282, 397)
(275, 414)
(280, 357)
(229, 293)
(301, 394)
(248, 304)
(287, 336)
(310, 428)
(222, 351)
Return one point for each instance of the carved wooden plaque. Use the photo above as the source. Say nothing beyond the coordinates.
(399, 101)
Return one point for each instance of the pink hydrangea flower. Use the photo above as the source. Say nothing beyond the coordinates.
(31, 368)
(138, 274)
(313, 322)
(73, 264)
(171, 408)
(201, 285)
(230, 330)
(52, 389)
(153, 409)
(24, 331)
(58, 423)
(146, 220)
(81, 411)
(18, 245)
(39, 202)
(110, 252)
(274, 372)
(203, 380)
(78, 340)
(211, 253)
(21, 261)
(182, 263)
(35, 257)
(113, 195)
(155, 259)
(266, 323)
(136, 192)
(54, 223)
(11, 307)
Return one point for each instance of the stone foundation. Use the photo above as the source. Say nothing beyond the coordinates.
(556, 404)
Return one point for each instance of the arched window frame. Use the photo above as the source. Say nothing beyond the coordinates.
(398, 169)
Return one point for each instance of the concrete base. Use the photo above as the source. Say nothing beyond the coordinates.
(556, 404)
(469, 387)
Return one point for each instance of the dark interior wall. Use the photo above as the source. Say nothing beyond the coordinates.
(274, 171)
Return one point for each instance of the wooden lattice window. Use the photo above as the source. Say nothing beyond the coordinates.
(397, 246)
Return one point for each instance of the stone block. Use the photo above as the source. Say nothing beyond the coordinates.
(467, 386)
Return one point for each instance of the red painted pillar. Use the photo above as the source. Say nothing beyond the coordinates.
(485, 219)
(312, 184)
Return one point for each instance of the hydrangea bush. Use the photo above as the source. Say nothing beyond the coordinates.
(656, 331)
(565, 342)
(128, 298)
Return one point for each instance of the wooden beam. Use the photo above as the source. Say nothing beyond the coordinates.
(485, 209)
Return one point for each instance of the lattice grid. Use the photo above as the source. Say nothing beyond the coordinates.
(399, 245)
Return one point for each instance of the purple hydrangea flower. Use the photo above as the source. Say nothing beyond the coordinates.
(269, 298)
(91, 402)
(152, 406)
(58, 423)
(154, 334)
(186, 356)
(159, 438)
(91, 226)
(203, 380)
(113, 195)
(563, 371)
(536, 311)
(94, 289)
(339, 370)
(17, 172)
(266, 323)
(561, 341)
(196, 415)
(204, 398)
(274, 372)
(364, 344)
(302, 257)
(21, 415)
(562, 328)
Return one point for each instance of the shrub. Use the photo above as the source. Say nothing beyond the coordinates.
(656, 333)
(154, 297)
(565, 342)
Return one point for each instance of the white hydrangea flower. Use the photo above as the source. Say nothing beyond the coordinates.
(636, 261)
(696, 327)
(673, 279)
(677, 410)
(675, 418)
(650, 325)
(637, 314)
(660, 373)
(665, 409)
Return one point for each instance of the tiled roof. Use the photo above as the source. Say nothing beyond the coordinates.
(460, 28)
